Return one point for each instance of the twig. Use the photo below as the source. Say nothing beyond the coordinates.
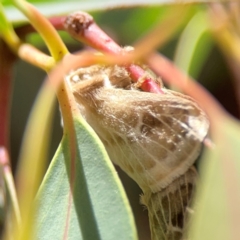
(82, 27)
(7, 173)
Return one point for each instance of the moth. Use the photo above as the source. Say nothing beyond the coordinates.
(154, 138)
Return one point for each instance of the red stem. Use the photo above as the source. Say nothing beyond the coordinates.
(148, 85)
(6, 62)
(82, 27)
(57, 23)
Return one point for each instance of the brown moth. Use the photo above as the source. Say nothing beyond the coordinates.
(154, 138)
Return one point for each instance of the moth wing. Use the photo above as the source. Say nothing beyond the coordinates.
(153, 137)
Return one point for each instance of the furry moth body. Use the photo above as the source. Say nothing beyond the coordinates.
(154, 138)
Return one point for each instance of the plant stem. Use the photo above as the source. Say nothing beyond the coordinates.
(7, 58)
(7, 173)
(148, 84)
(45, 29)
(82, 27)
(25, 51)
(32, 55)
(227, 37)
(163, 31)
(6, 63)
(7, 32)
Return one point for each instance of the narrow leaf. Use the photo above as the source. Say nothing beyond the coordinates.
(217, 214)
(194, 45)
(99, 208)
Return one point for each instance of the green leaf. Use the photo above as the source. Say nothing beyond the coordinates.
(194, 45)
(217, 204)
(99, 208)
(57, 7)
(53, 8)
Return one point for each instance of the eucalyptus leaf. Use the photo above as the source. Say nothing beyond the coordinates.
(194, 45)
(99, 208)
(54, 7)
(217, 203)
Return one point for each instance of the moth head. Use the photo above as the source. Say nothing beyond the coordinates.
(86, 79)
(92, 78)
